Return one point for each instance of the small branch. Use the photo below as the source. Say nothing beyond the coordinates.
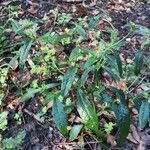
(136, 85)
(33, 115)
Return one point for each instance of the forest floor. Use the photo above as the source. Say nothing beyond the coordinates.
(42, 135)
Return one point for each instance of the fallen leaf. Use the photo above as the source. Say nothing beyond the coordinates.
(14, 103)
(49, 105)
(131, 138)
(32, 10)
(111, 140)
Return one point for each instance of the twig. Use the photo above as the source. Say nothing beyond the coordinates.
(136, 85)
(33, 115)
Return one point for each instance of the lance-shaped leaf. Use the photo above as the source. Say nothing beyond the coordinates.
(75, 131)
(81, 31)
(59, 116)
(138, 63)
(91, 60)
(87, 112)
(31, 92)
(75, 54)
(96, 19)
(85, 76)
(123, 121)
(105, 98)
(68, 80)
(144, 114)
(24, 53)
(119, 65)
(17, 27)
(123, 116)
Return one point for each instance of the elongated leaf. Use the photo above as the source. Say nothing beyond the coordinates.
(120, 94)
(112, 73)
(14, 3)
(62, 37)
(85, 76)
(24, 53)
(138, 63)
(82, 32)
(119, 65)
(68, 79)
(90, 62)
(123, 121)
(95, 20)
(123, 116)
(114, 34)
(3, 120)
(87, 112)
(144, 114)
(142, 30)
(106, 98)
(75, 131)
(76, 52)
(14, 142)
(30, 94)
(17, 27)
(59, 116)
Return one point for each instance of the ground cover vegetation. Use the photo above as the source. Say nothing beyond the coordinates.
(73, 77)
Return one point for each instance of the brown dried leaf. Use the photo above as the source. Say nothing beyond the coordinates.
(32, 10)
(111, 140)
(14, 103)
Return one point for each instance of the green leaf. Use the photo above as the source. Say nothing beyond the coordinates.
(91, 60)
(30, 94)
(142, 30)
(87, 112)
(114, 34)
(144, 114)
(138, 29)
(120, 94)
(119, 65)
(75, 131)
(17, 27)
(59, 116)
(146, 43)
(123, 116)
(82, 32)
(62, 37)
(14, 142)
(24, 53)
(3, 120)
(92, 23)
(68, 80)
(138, 63)
(111, 72)
(76, 52)
(49, 37)
(85, 76)
(123, 121)
(106, 98)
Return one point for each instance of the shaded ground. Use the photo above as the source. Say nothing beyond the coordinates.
(45, 135)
